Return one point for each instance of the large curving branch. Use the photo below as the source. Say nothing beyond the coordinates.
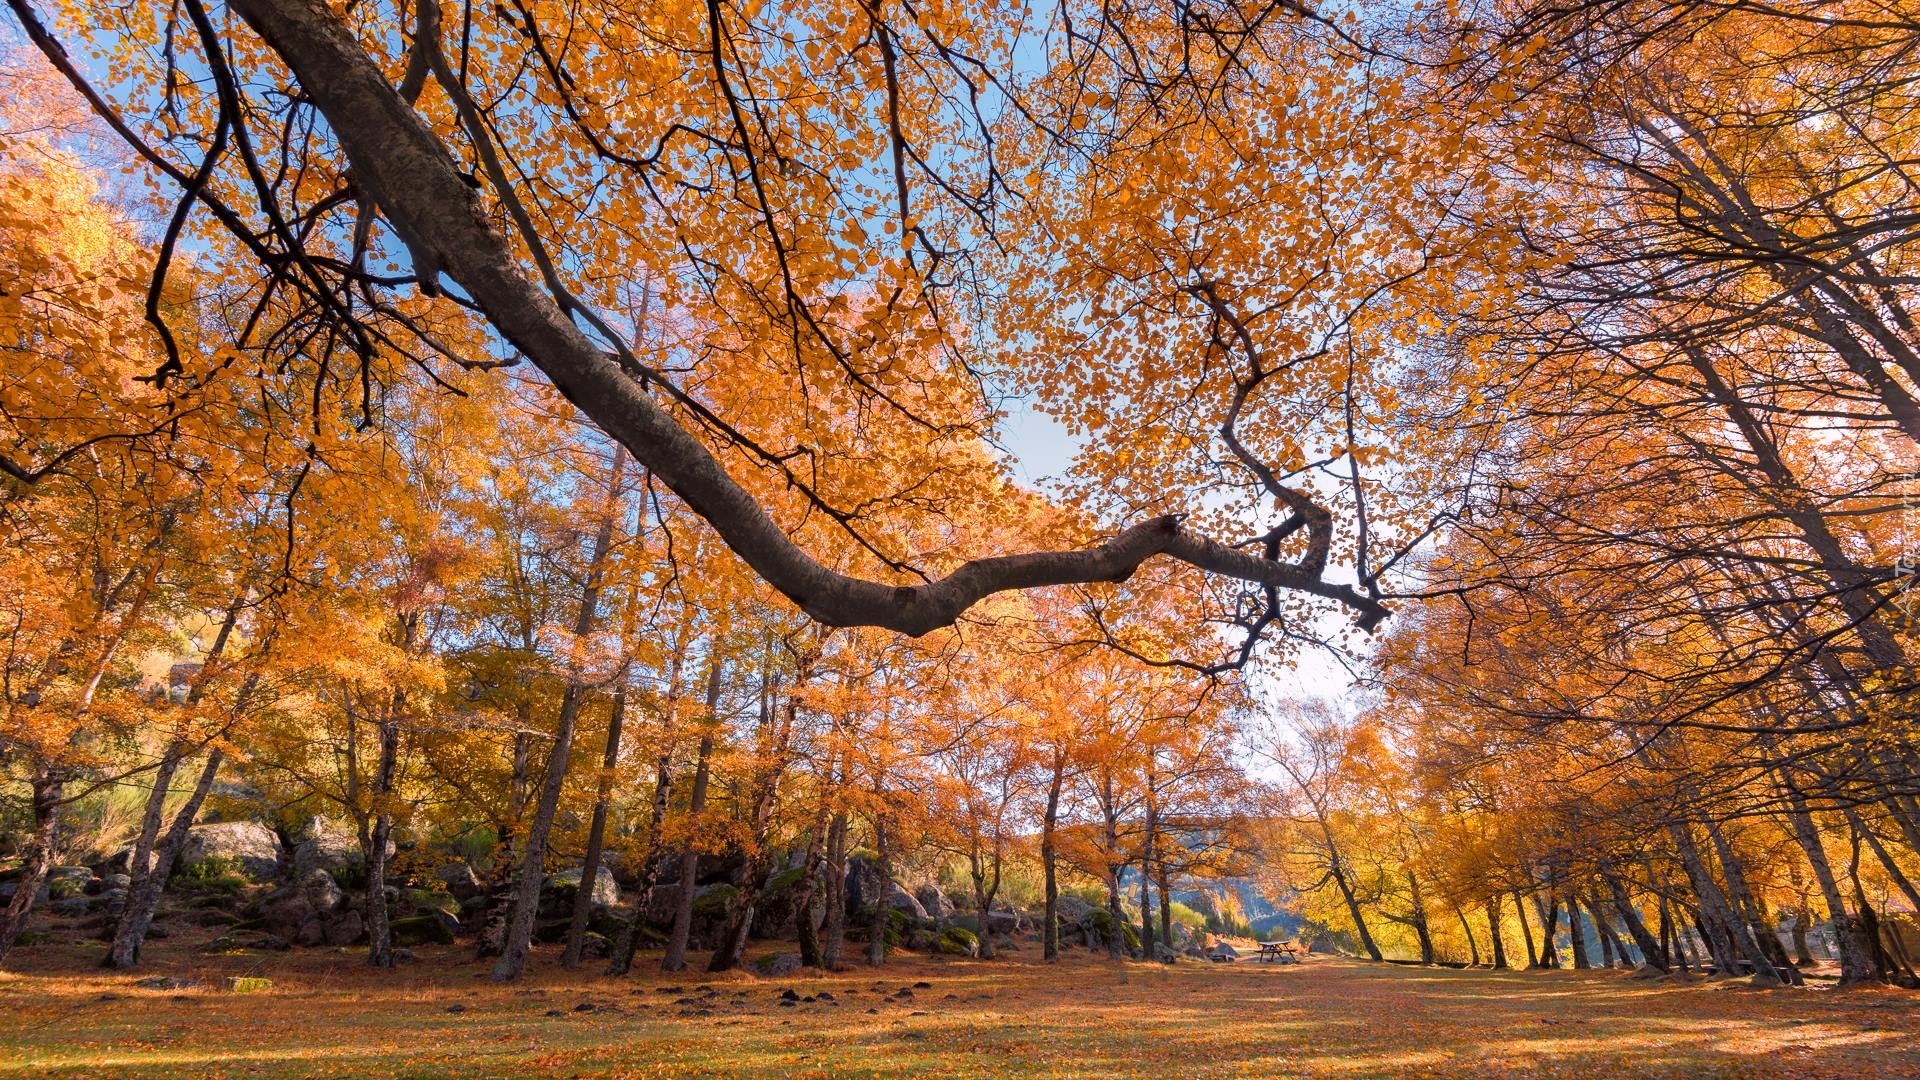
(399, 162)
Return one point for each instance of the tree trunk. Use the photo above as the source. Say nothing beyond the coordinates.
(1577, 935)
(1050, 933)
(986, 885)
(833, 948)
(1166, 903)
(1526, 930)
(596, 835)
(1651, 951)
(1420, 927)
(675, 958)
(881, 915)
(1749, 908)
(623, 950)
(500, 877)
(1717, 912)
(1887, 862)
(373, 840)
(1610, 944)
(807, 933)
(143, 896)
(533, 861)
(771, 738)
(1493, 931)
(1147, 940)
(1549, 924)
(1353, 907)
(1856, 951)
(48, 786)
(1473, 947)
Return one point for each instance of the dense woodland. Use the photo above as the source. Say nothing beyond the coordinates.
(492, 448)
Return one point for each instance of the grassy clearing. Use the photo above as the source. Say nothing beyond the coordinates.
(325, 1015)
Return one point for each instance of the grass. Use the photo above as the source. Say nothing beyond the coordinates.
(327, 1015)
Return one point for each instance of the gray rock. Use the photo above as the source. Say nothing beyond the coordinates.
(905, 901)
(113, 883)
(1073, 909)
(1006, 921)
(346, 928)
(933, 901)
(780, 965)
(320, 891)
(167, 982)
(247, 846)
(70, 907)
(326, 844)
(1165, 953)
(247, 939)
(462, 883)
(606, 893)
(311, 932)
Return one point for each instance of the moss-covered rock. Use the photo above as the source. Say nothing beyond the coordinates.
(712, 902)
(958, 941)
(422, 930)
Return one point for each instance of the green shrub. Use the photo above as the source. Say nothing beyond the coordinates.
(352, 875)
(213, 874)
(1187, 917)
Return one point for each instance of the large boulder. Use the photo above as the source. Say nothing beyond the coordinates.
(1072, 909)
(865, 883)
(560, 889)
(462, 883)
(933, 901)
(905, 901)
(1005, 920)
(248, 847)
(433, 929)
(301, 910)
(345, 928)
(777, 912)
(326, 844)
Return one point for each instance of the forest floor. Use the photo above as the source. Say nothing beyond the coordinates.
(326, 1015)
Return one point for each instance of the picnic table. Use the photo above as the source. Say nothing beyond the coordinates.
(1279, 951)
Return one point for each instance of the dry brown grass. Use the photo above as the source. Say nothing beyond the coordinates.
(329, 1016)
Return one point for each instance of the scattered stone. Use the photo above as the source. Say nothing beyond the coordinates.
(671, 990)
(872, 1011)
(456, 1007)
(686, 1001)
(585, 1006)
(167, 982)
(787, 1003)
(789, 995)
(108, 997)
(248, 984)
(923, 986)
(555, 1012)
(825, 995)
(403, 956)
